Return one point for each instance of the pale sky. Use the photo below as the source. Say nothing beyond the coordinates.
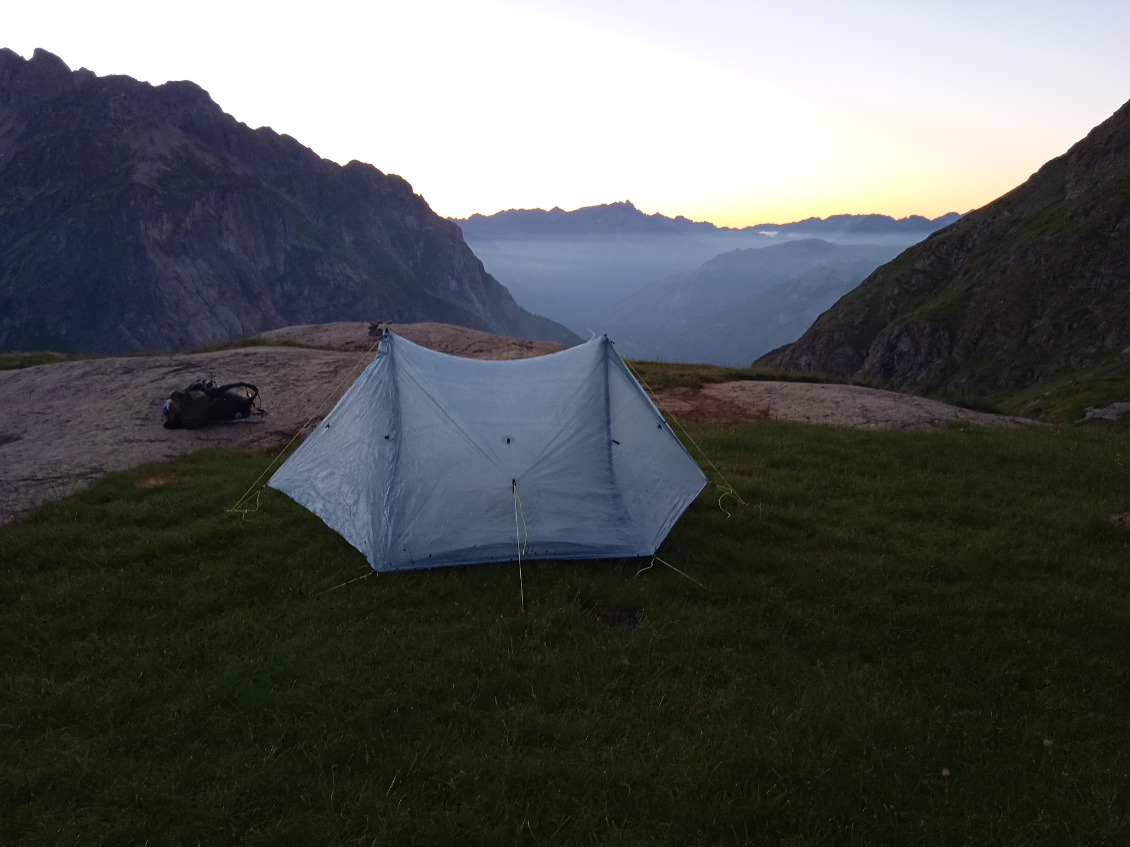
(733, 112)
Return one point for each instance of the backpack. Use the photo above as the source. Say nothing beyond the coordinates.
(204, 401)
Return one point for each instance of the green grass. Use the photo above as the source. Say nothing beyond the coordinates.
(1067, 398)
(16, 361)
(659, 376)
(253, 341)
(900, 638)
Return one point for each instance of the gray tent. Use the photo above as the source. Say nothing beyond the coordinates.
(430, 459)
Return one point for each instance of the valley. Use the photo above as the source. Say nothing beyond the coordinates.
(614, 269)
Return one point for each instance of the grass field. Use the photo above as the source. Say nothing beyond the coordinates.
(900, 638)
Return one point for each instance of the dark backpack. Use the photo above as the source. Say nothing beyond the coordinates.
(204, 401)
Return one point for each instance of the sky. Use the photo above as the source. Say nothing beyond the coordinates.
(739, 113)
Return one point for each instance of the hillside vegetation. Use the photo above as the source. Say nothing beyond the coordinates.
(1025, 302)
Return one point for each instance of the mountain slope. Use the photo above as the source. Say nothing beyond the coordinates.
(740, 304)
(1030, 289)
(135, 217)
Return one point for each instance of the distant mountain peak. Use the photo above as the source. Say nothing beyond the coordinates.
(607, 219)
(623, 218)
(863, 224)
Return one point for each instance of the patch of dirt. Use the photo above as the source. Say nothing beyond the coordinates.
(65, 424)
(357, 336)
(702, 404)
(1122, 520)
(155, 480)
(819, 403)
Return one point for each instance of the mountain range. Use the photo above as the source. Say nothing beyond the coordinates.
(1024, 297)
(613, 220)
(575, 267)
(140, 217)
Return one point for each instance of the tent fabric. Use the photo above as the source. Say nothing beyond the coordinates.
(430, 459)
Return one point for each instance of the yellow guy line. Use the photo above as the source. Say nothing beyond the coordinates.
(247, 493)
(519, 532)
(725, 487)
(655, 559)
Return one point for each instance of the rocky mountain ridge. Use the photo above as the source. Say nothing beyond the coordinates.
(607, 218)
(1030, 289)
(624, 219)
(140, 217)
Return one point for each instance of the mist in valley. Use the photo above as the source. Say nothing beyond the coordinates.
(577, 281)
(676, 290)
(742, 304)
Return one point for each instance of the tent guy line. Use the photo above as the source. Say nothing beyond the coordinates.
(521, 541)
(246, 496)
(724, 486)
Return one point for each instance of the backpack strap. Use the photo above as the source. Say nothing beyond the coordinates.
(219, 392)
